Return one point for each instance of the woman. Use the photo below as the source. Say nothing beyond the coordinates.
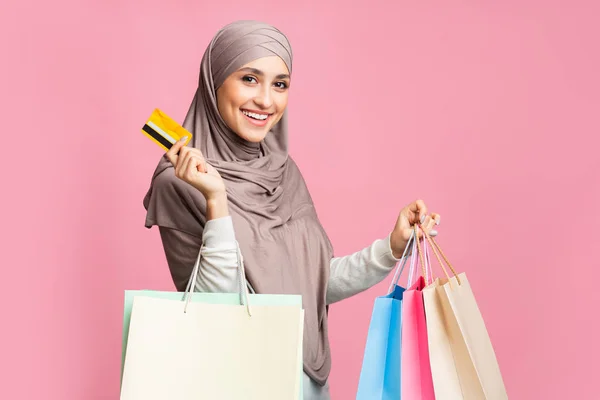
(237, 184)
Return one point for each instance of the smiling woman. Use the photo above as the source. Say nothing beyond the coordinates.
(253, 98)
(238, 184)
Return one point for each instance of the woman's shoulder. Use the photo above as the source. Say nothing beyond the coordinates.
(171, 202)
(292, 168)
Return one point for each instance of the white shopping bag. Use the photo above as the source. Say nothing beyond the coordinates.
(213, 345)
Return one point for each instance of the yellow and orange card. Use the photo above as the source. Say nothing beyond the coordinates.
(164, 131)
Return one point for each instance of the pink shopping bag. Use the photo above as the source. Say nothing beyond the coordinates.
(416, 381)
(415, 372)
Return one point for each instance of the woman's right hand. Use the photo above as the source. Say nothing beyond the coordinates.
(191, 167)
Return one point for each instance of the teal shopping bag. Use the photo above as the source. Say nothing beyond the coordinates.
(380, 372)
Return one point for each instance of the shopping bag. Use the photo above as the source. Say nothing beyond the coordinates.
(212, 345)
(380, 373)
(462, 358)
(416, 379)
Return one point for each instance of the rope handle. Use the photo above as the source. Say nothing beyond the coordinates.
(438, 251)
(243, 288)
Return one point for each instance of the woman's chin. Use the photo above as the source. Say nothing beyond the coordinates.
(253, 135)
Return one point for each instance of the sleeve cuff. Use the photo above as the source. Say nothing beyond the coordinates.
(219, 232)
(383, 251)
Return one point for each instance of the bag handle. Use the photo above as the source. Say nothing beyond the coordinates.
(401, 265)
(424, 259)
(413, 259)
(425, 262)
(426, 235)
(243, 288)
(427, 272)
(427, 259)
(438, 251)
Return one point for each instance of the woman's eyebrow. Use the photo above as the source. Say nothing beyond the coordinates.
(260, 73)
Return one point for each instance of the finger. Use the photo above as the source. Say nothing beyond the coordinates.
(416, 229)
(192, 165)
(172, 152)
(191, 152)
(200, 161)
(184, 155)
(419, 208)
(189, 168)
(428, 226)
(200, 164)
(429, 223)
(436, 217)
(179, 164)
(182, 163)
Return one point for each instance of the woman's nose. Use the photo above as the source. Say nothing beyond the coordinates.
(264, 98)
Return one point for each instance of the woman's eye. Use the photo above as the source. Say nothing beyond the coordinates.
(281, 85)
(249, 79)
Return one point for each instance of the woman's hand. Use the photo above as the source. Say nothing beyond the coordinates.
(415, 212)
(191, 167)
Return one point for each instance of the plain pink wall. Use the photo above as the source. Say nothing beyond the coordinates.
(487, 110)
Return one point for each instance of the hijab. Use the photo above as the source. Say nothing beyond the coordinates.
(285, 248)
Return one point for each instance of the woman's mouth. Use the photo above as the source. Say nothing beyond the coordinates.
(256, 118)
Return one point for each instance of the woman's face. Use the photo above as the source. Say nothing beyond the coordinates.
(253, 98)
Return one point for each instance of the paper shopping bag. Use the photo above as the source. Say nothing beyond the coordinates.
(212, 345)
(380, 372)
(459, 304)
(441, 335)
(213, 349)
(462, 358)
(416, 379)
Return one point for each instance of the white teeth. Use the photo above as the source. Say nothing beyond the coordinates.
(261, 117)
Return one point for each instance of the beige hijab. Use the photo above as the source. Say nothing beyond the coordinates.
(283, 243)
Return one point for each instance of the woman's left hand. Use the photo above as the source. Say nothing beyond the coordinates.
(415, 212)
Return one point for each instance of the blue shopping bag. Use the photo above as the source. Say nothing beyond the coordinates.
(380, 373)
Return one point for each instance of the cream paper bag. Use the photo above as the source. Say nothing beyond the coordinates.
(463, 360)
(205, 347)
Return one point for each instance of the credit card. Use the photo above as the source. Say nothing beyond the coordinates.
(164, 131)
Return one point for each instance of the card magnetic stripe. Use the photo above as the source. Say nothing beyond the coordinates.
(158, 134)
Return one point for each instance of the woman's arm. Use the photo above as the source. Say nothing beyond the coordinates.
(359, 271)
(218, 271)
(352, 274)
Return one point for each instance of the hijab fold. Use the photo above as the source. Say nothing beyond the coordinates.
(285, 249)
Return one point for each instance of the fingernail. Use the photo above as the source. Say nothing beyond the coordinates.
(437, 222)
(183, 139)
(433, 232)
(422, 219)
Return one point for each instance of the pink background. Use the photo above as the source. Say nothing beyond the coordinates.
(487, 110)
